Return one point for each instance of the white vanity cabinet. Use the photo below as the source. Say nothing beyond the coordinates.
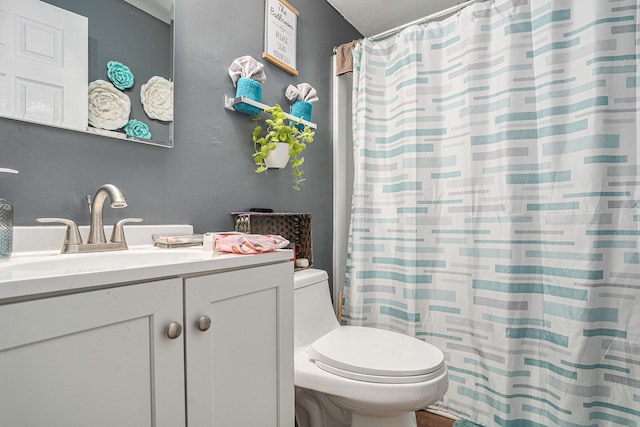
(104, 358)
(98, 358)
(240, 370)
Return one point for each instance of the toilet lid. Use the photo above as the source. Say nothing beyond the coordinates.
(373, 354)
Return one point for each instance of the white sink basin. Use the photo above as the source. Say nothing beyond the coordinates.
(37, 252)
(36, 266)
(101, 261)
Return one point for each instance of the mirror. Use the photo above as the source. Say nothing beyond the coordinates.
(134, 33)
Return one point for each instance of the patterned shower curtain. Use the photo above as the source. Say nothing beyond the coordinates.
(496, 208)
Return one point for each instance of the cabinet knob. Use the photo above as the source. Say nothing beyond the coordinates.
(174, 330)
(204, 323)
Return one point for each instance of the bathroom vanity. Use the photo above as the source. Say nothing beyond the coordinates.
(148, 337)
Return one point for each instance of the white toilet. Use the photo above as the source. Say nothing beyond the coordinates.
(357, 376)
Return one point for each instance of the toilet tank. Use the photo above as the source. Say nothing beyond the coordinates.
(313, 312)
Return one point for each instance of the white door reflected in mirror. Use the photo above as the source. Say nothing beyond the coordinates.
(46, 64)
(43, 64)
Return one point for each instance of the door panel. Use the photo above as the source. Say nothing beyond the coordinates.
(43, 63)
(244, 362)
(99, 359)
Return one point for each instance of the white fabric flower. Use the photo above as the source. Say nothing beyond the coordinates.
(108, 107)
(157, 98)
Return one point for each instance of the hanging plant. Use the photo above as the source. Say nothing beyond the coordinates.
(280, 130)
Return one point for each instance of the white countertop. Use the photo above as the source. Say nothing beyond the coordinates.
(30, 273)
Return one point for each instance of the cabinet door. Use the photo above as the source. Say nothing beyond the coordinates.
(99, 359)
(240, 371)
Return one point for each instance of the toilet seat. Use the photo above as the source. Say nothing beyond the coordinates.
(382, 379)
(376, 355)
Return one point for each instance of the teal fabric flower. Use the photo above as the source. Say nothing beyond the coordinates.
(137, 129)
(120, 75)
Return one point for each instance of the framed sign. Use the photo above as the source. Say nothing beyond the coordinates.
(280, 34)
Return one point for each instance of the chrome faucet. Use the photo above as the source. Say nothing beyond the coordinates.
(97, 241)
(96, 230)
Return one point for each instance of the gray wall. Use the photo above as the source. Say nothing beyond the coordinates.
(209, 172)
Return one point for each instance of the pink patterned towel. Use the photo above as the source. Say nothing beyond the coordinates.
(248, 243)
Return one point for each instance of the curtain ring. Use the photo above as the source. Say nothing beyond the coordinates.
(458, 13)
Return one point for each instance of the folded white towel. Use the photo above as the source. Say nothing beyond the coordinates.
(302, 92)
(247, 67)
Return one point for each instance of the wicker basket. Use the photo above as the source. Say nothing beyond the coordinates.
(292, 226)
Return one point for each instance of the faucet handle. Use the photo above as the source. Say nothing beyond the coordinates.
(117, 235)
(72, 236)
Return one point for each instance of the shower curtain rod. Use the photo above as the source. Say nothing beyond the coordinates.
(431, 17)
(422, 20)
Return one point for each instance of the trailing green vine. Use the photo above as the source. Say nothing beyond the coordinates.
(277, 130)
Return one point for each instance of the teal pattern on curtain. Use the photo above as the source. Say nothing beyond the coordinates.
(496, 208)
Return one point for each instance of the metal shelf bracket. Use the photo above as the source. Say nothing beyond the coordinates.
(230, 102)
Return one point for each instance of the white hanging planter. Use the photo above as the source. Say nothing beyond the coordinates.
(278, 158)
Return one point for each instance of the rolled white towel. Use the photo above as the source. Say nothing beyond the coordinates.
(247, 67)
(301, 92)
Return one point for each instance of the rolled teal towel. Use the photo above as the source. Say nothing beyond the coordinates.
(252, 90)
(301, 109)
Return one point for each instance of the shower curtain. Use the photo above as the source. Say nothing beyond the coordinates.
(496, 206)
